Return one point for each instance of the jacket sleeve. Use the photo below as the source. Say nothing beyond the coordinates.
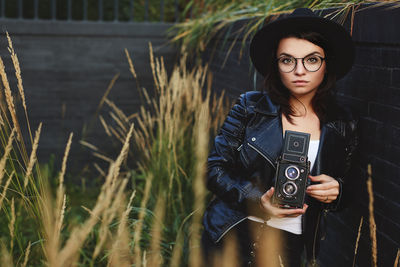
(224, 179)
(352, 174)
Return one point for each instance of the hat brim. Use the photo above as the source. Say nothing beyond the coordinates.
(342, 46)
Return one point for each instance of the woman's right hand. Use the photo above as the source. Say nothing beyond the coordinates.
(274, 211)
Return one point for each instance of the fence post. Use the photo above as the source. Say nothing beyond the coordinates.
(36, 9)
(20, 9)
(69, 10)
(85, 11)
(162, 10)
(176, 11)
(3, 6)
(116, 11)
(53, 9)
(131, 16)
(146, 10)
(100, 2)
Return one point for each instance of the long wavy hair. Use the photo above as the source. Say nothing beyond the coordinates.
(325, 95)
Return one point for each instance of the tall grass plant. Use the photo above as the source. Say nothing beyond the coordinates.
(217, 18)
(152, 222)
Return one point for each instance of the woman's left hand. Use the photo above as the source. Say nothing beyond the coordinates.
(326, 191)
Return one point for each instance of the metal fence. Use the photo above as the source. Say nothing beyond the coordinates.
(94, 10)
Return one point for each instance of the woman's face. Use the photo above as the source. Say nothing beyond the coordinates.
(300, 81)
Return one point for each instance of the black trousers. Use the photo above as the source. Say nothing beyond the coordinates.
(254, 244)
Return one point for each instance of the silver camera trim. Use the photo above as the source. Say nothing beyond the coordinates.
(297, 169)
(295, 187)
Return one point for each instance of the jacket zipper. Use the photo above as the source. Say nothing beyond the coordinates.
(259, 152)
(229, 228)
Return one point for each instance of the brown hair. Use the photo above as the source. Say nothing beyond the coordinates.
(324, 96)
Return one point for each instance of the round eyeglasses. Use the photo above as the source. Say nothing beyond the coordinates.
(311, 63)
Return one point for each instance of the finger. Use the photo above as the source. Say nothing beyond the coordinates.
(320, 178)
(270, 192)
(324, 186)
(316, 178)
(267, 196)
(291, 211)
(318, 187)
(324, 193)
(281, 213)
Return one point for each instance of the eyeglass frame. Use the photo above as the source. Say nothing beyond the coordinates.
(302, 61)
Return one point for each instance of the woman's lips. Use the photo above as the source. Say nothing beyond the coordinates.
(300, 82)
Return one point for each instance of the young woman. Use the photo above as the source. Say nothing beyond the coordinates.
(300, 56)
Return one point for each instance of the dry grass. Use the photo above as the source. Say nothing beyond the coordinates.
(396, 261)
(171, 140)
(109, 200)
(216, 21)
(372, 224)
(27, 252)
(5, 257)
(32, 158)
(7, 151)
(174, 123)
(3, 195)
(357, 241)
(9, 98)
(11, 225)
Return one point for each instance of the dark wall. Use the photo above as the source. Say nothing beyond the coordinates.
(372, 89)
(66, 69)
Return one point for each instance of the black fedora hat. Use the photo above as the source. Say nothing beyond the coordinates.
(303, 20)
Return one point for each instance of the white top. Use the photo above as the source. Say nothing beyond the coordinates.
(291, 224)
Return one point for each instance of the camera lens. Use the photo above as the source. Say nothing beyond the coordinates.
(289, 188)
(292, 172)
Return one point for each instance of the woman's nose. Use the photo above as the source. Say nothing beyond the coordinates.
(299, 68)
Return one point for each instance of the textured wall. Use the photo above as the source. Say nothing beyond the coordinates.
(66, 68)
(373, 89)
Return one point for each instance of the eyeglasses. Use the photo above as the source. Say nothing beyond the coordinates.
(311, 63)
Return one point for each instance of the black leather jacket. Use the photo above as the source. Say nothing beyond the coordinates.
(242, 165)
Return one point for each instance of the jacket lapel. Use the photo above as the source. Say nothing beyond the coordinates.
(330, 143)
(267, 138)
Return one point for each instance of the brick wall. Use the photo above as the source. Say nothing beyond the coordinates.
(372, 88)
(66, 68)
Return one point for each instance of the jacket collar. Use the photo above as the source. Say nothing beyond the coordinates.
(265, 106)
(271, 147)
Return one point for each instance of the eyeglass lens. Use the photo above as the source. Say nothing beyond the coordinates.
(310, 63)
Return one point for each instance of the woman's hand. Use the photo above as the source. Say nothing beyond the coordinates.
(274, 211)
(326, 191)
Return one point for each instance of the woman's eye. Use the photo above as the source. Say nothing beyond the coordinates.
(286, 60)
(312, 60)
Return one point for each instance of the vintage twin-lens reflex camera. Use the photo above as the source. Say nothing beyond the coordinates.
(292, 171)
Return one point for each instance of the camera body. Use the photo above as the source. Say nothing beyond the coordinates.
(292, 171)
